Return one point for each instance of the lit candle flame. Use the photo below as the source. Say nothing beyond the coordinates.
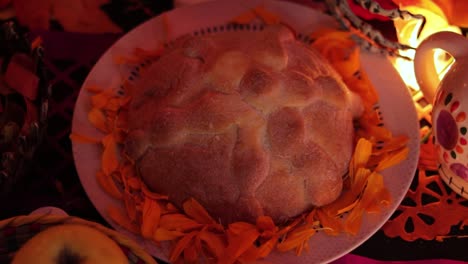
(407, 32)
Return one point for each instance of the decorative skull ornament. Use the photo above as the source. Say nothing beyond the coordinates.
(450, 105)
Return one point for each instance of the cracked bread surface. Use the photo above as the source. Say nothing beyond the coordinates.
(247, 123)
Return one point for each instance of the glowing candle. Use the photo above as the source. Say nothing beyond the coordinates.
(407, 32)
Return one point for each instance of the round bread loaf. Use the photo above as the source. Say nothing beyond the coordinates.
(247, 123)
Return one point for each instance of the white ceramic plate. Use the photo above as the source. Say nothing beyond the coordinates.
(396, 106)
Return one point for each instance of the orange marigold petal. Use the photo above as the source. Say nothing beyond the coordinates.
(178, 222)
(112, 104)
(36, 43)
(367, 90)
(162, 234)
(198, 244)
(310, 217)
(296, 238)
(149, 53)
(393, 159)
(109, 159)
(122, 60)
(130, 205)
(359, 181)
(124, 101)
(378, 194)
(134, 183)
(191, 252)
(127, 170)
(170, 207)
(354, 219)
(101, 99)
(94, 88)
(150, 217)
(214, 242)
(393, 144)
(348, 208)
(346, 199)
(252, 254)
(181, 245)
(97, 118)
(195, 210)
(119, 217)
(153, 195)
(383, 198)
(328, 31)
(380, 133)
(268, 17)
(265, 223)
(245, 18)
(331, 224)
(362, 153)
(300, 248)
(289, 227)
(336, 46)
(239, 242)
(108, 185)
(83, 139)
(239, 227)
(266, 248)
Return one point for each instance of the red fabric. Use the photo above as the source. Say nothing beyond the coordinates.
(4, 3)
(367, 15)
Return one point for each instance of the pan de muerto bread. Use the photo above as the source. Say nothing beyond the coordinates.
(247, 123)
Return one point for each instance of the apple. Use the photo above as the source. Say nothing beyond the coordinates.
(70, 244)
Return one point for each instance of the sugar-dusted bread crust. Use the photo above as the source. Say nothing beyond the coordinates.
(247, 123)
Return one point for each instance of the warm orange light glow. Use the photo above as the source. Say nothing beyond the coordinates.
(407, 34)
